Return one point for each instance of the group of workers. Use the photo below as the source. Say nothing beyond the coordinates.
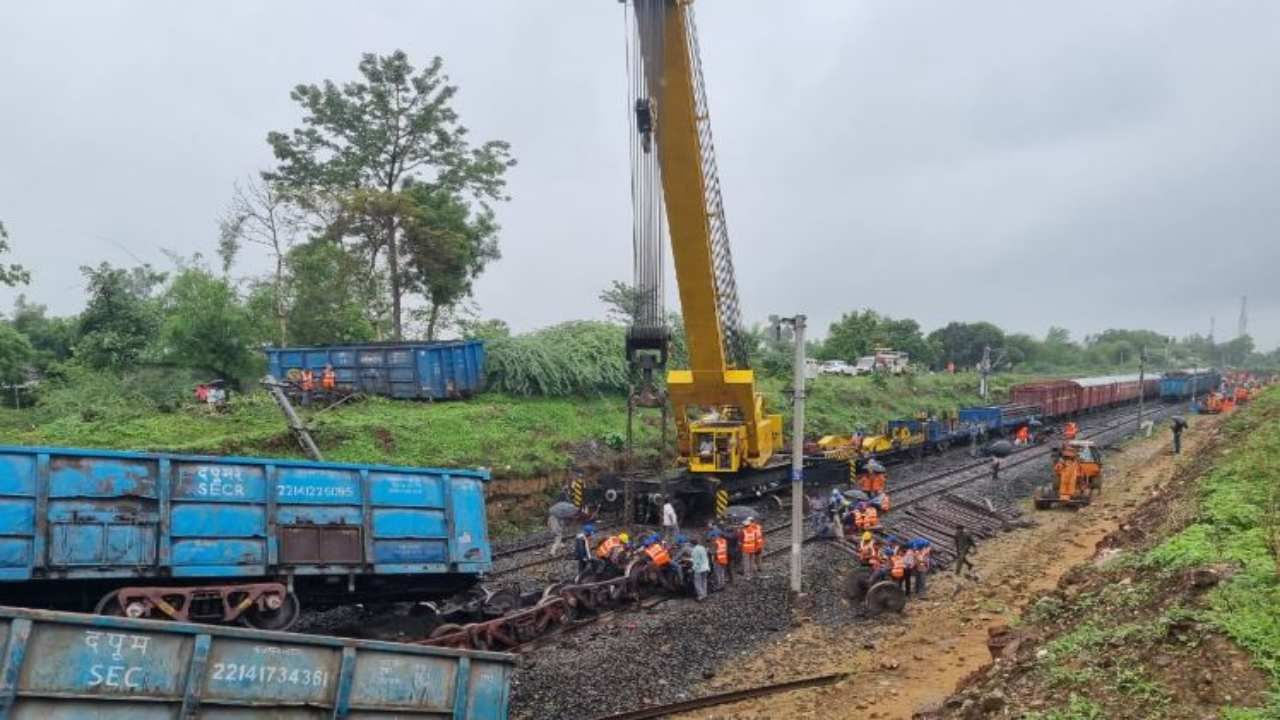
(709, 559)
(904, 561)
(848, 517)
(307, 382)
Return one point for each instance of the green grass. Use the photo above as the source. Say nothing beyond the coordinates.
(1231, 528)
(516, 436)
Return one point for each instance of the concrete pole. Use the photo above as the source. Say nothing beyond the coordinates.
(1142, 388)
(797, 454)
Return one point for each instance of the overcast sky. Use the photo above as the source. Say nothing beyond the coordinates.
(1086, 164)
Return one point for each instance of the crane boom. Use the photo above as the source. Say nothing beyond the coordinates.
(734, 426)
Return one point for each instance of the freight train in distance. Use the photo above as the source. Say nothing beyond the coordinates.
(835, 458)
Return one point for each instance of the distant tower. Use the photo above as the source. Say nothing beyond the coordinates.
(1244, 317)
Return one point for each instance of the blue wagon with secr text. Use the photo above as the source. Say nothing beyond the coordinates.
(232, 539)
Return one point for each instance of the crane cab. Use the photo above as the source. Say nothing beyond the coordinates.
(717, 446)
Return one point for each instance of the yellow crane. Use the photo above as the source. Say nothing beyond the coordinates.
(721, 420)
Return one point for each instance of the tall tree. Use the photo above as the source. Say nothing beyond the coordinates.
(16, 355)
(262, 214)
(206, 325)
(396, 124)
(623, 301)
(51, 337)
(330, 299)
(962, 343)
(121, 320)
(11, 275)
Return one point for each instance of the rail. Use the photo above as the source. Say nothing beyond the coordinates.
(724, 698)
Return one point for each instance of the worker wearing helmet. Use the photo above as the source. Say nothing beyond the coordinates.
(923, 553)
(751, 538)
(611, 548)
(719, 547)
(835, 508)
(582, 546)
(867, 548)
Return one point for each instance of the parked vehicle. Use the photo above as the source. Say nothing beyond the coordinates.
(837, 367)
(884, 360)
(231, 539)
(68, 665)
(424, 371)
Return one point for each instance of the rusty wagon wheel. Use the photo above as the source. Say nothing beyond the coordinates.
(279, 619)
(885, 596)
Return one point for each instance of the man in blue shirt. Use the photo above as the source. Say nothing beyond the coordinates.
(701, 566)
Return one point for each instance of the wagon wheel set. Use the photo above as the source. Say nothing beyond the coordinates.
(262, 606)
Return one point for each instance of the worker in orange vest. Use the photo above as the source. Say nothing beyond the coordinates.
(867, 548)
(328, 378)
(752, 543)
(1023, 436)
(719, 558)
(898, 567)
(308, 385)
(870, 518)
(1070, 431)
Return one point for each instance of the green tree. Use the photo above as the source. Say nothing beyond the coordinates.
(206, 326)
(396, 124)
(851, 337)
(11, 275)
(329, 296)
(963, 343)
(51, 337)
(623, 301)
(487, 330)
(16, 355)
(121, 319)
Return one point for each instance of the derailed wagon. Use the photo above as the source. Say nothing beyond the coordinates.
(68, 665)
(227, 539)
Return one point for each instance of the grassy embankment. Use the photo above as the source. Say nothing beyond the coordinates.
(1188, 616)
(515, 436)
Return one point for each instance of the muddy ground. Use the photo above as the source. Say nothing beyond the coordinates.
(900, 666)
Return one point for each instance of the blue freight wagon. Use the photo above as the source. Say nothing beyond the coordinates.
(421, 371)
(60, 666)
(1179, 385)
(997, 418)
(223, 539)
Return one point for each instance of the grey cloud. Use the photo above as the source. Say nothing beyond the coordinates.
(1083, 164)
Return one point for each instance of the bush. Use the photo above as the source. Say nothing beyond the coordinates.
(574, 358)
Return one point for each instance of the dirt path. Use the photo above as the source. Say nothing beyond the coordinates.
(901, 664)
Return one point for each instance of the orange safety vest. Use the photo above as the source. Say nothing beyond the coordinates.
(308, 380)
(328, 379)
(722, 551)
(1024, 433)
(607, 547)
(1071, 431)
(752, 539)
(877, 482)
(867, 551)
(858, 520)
(899, 569)
(658, 555)
(870, 519)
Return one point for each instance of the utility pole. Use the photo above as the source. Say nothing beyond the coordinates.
(797, 443)
(1142, 386)
(984, 370)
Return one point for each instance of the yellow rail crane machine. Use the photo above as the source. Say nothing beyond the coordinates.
(727, 440)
